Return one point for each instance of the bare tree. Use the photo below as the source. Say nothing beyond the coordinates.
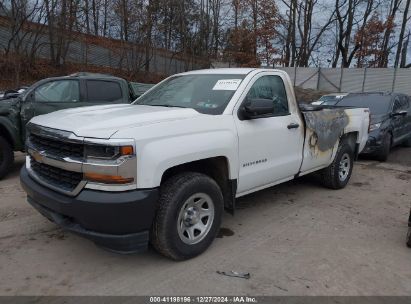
(246, 32)
(402, 33)
(215, 7)
(308, 37)
(389, 28)
(290, 46)
(19, 13)
(350, 14)
(403, 63)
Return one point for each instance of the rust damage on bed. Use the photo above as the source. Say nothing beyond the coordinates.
(326, 128)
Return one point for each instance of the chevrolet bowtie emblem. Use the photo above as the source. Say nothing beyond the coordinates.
(37, 156)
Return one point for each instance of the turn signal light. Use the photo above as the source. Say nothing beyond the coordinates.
(126, 150)
(107, 179)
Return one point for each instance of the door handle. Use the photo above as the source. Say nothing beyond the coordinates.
(293, 126)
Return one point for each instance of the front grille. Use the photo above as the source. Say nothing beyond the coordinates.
(63, 179)
(57, 148)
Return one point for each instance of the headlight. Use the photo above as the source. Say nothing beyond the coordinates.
(375, 126)
(107, 152)
(108, 167)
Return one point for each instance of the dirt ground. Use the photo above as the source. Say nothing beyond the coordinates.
(294, 239)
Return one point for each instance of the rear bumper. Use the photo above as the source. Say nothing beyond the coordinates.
(119, 221)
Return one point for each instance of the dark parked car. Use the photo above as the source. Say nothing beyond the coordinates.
(390, 120)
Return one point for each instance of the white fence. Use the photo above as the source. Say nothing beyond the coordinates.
(352, 79)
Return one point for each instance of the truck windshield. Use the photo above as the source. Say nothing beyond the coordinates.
(378, 104)
(205, 93)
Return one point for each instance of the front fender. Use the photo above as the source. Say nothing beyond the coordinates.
(155, 157)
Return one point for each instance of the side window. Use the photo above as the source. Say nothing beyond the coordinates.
(272, 88)
(58, 91)
(103, 91)
(406, 102)
(397, 105)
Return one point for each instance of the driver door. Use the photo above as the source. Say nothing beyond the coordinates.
(407, 107)
(270, 148)
(399, 122)
(56, 95)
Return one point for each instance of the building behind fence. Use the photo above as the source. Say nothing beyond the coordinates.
(352, 79)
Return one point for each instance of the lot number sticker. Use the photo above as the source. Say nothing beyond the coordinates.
(227, 85)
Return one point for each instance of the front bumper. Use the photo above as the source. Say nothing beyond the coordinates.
(119, 221)
(374, 143)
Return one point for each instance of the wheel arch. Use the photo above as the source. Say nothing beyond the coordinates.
(392, 136)
(6, 133)
(352, 139)
(215, 167)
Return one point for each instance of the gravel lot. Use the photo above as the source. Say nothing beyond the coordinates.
(294, 239)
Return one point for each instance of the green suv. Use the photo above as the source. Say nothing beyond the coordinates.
(53, 94)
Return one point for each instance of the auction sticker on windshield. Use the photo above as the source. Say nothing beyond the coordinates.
(227, 85)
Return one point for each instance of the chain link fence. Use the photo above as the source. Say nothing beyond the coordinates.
(352, 79)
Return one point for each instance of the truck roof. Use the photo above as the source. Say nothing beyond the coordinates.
(232, 71)
(85, 75)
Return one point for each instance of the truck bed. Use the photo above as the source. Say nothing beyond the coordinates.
(324, 126)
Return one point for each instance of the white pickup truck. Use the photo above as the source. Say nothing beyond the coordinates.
(163, 169)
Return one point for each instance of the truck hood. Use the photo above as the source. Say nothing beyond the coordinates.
(377, 118)
(104, 121)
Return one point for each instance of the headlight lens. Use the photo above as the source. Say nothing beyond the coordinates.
(375, 126)
(107, 152)
(108, 166)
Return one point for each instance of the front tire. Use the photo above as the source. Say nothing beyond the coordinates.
(385, 149)
(6, 157)
(188, 216)
(409, 237)
(337, 175)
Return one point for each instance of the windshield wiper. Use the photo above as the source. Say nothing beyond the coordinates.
(163, 105)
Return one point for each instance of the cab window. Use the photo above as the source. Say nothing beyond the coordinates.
(271, 87)
(103, 91)
(400, 104)
(58, 91)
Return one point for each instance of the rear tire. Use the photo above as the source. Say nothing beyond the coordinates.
(6, 157)
(409, 237)
(382, 156)
(188, 216)
(337, 175)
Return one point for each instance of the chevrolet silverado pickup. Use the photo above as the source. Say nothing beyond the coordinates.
(52, 94)
(162, 169)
